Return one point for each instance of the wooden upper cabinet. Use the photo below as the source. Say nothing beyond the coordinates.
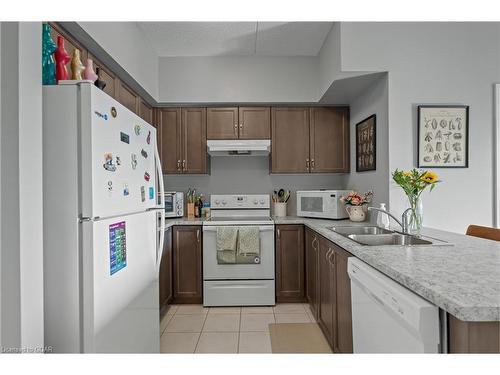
(127, 97)
(254, 122)
(194, 140)
(222, 123)
(105, 75)
(187, 264)
(311, 259)
(289, 140)
(290, 263)
(329, 140)
(169, 125)
(70, 44)
(145, 111)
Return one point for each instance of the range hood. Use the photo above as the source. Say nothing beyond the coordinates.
(239, 147)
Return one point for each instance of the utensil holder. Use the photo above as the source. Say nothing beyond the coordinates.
(190, 210)
(280, 209)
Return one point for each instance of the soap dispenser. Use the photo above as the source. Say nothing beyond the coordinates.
(383, 220)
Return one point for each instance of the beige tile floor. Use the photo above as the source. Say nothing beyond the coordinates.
(196, 329)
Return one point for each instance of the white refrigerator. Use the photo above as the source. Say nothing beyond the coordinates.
(103, 224)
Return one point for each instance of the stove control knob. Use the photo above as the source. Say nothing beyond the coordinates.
(255, 201)
(262, 201)
(217, 202)
(224, 202)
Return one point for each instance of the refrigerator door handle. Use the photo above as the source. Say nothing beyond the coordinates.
(160, 178)
(159, 251)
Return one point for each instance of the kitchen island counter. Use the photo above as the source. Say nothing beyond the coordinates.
(462, 278)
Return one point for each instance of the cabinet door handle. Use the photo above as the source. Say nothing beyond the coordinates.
(241, 126)
(197, 235)
(327, 254)
(307, 163)
(178, 164)
(184, 165)
(312, 163)
(278, 233)
(313, 241)
(236, 129)
(332, 262)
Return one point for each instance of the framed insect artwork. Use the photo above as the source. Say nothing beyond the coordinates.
(443, 136)
(366, 144)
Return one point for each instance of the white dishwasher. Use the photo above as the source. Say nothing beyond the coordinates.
(387, 317)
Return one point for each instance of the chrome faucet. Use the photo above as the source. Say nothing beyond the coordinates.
(404, 218)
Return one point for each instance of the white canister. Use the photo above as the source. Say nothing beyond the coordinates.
(279, 209)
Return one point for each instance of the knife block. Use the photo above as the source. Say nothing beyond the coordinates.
(190, 210)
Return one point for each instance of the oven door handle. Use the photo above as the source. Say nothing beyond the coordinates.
(214, 228)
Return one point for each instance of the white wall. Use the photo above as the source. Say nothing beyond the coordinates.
(21, 191)
(226, 79)
(127, 44)
(250, 175)
(372, 101)
(435, 63)
(329, 64)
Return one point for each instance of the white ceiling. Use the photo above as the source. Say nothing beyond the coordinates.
(236, 38)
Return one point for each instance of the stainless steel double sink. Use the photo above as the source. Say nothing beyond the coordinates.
(375, 236)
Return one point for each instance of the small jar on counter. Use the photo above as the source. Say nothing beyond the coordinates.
(206, 210)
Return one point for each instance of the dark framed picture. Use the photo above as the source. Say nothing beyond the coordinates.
(443, 136)
(366, 144)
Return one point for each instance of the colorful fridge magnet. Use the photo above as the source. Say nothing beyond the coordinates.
(48, 63)
(147, 177)
(133, 160)
(89, 73)
(144, 153)
(143, 194)
(113, 112)
(99, 83)
(137, 129)
(151, 193)
(148, 138)
(108, 163)
(124, 137)
(77, 67)
(117, 247)
(118, 161)
(62, 58)
(126, 191)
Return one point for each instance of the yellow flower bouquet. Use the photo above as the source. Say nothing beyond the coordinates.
(413, 183)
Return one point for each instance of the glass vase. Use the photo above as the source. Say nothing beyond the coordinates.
(415, 216)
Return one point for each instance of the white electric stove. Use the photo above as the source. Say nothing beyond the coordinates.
(239, 284)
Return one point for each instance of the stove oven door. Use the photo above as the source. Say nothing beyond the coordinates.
(214, 271)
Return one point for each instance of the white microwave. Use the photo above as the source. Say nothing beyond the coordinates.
(323, 204)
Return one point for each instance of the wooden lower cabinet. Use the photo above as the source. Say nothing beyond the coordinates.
(311, 259)
(334, 315)
(165, 279)
(326, 313)
(473, 337)
(187, 271)
(343, 339)
(290, 263)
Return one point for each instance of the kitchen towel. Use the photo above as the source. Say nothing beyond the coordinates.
(226, 245)
(248, 245)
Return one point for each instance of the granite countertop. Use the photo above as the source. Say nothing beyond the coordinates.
(462, 278)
